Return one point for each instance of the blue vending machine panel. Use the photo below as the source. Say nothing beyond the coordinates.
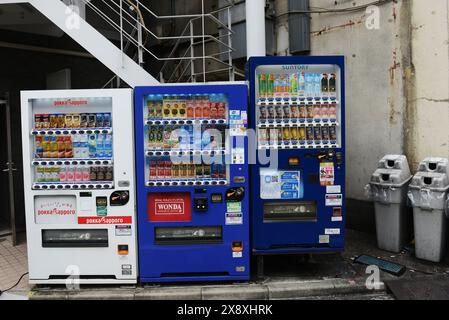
(192, 182)
(298, 182)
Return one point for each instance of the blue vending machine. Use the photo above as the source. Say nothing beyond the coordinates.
(192, 182)
(298, 183)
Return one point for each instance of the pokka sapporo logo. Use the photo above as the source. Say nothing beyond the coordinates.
(55, 209)
(70, 102)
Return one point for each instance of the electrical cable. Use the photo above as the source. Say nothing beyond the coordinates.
(342, 10)
(17, 283)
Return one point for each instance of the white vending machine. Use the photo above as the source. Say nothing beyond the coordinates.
(78, 160)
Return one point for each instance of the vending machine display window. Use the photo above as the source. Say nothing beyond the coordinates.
(298, 107)
(72, 146)
(185, 139)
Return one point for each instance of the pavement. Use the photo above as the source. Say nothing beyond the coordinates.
(316, 277)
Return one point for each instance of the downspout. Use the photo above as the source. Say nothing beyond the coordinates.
(255, 28)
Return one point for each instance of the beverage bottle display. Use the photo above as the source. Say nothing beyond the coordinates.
(301, 85)
(54, 148)
(270, 86)
(76, 146)
(206, 107)
(324, 84)
(61, 147)
(213, 106)
(190, 108)
(100, 146)
(333, 85)
(198, 107)
(262, 86)
(39, 150)
(317, 112)
(325, 112)
(107, 144)
(84, 146)
(317, 85)
(92, 146)
(68, 147)
(293, 85)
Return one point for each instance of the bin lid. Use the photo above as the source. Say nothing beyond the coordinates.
(393, 161)
(390, 177)
(430, 180)
(436, 165)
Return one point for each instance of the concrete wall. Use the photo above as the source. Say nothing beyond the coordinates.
(428, 110)
(375, 99)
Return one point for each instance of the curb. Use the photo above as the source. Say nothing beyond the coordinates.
(245, 291)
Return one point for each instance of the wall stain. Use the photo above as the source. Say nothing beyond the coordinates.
(345, 25)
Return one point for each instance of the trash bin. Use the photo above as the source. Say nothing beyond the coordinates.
(388, 190)
(428, 196)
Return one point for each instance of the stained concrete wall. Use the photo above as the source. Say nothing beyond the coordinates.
(375, 99)
(428, 110)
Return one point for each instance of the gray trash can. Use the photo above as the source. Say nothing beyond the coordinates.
(388, 190)
(428, 196)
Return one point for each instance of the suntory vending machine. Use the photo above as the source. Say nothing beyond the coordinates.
(298, 182)
(192, 182)
(78, 160)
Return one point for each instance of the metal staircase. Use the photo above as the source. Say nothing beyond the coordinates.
(194, 55)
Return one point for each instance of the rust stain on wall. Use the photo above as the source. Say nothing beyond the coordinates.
(348, 24)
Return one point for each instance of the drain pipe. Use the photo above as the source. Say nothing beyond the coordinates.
(255, 28)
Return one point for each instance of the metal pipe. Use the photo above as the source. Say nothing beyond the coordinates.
(255, 28)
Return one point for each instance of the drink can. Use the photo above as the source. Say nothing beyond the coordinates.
(86, 174)
(184, 170)
(325, 112)
(309, 112)
(53, 121)
(192, 171)
(153, 170)
(158, 114)
(76, 120)
(207, 171)
(62, 175)
(324, 79)
(37, 121)
(293, 85)
(45, 121)
(199, 171)
(317, 112)
(168, 172)
(333, 85)
(317, 134)
(333, 133)
(294, 135)
(99, 123)
(109, 173)
(270, 112)
(302, 135)
(286, 135)
(101, 175)
(263, 136)
(93, 174)
(309, 134)
(263, 113)
(107, 122)
(92, 120)
(325, 133)
(333, 111)
(70, 172)
(183, 108)
(151, 109)
(175, 171)
(286, 113)
(190, 108)
(294, 111)
(278, 112)
(302, 112)
(84, 120)
(78, 174)
(68, 121)
(206, 107)
(270, 85)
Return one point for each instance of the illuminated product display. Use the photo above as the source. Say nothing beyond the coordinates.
(297, 110)
(79, 185)
(192, 182)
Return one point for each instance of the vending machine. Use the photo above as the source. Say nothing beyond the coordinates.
(192, 182)
(78, 160)
(297, 110)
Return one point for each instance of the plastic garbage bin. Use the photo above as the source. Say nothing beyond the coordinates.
(428, 196)
(388, 189)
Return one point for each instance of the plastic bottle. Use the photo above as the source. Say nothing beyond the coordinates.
(100, 146)
(107, 145)
(92, 146)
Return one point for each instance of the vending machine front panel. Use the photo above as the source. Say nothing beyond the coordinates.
(192, 182)
(297, 111)
(79, 186)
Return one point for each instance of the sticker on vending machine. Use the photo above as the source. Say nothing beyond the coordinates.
(234, 218)
(334, 200)
(327, 175)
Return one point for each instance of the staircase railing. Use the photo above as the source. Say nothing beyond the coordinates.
(127, 17)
